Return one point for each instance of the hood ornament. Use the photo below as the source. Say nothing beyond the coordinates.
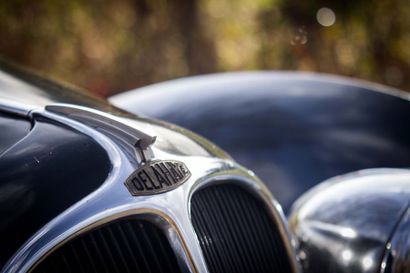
(109, 125)
(153, 176)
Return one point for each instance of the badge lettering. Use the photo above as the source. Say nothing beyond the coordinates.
(156, 177)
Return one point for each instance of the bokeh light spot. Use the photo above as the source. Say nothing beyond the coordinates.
(326, 17)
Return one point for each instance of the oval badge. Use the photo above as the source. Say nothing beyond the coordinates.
(156, 177)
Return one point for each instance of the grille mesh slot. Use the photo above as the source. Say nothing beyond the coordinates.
(235, 231)
(127, 245)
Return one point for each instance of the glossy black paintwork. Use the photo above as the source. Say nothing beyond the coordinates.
(397, 258)
(42, 175)
(345, 225)
(12, 129)
(294, 130)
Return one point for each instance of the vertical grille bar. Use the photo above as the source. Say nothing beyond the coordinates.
(236, 232)
(127, 245)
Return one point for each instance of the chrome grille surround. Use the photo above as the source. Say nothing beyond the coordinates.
(236, 232)
(168, 210)
(124, 245)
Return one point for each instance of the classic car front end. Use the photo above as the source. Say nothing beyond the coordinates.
(88, 187)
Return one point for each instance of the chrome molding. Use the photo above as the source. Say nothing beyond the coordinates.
(169, 210)
(15, 108)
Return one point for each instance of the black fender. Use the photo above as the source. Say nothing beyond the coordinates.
(293, 129)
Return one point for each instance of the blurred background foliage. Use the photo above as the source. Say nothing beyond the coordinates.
(108, 46)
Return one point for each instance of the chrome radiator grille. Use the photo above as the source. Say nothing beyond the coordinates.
(227, 229)
(235, 231)
(127, 245)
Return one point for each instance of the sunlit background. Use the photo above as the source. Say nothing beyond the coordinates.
(109, 46)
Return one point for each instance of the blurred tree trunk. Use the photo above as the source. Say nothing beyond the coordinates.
(199, 50)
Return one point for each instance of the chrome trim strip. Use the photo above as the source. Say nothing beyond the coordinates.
(15, 108)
